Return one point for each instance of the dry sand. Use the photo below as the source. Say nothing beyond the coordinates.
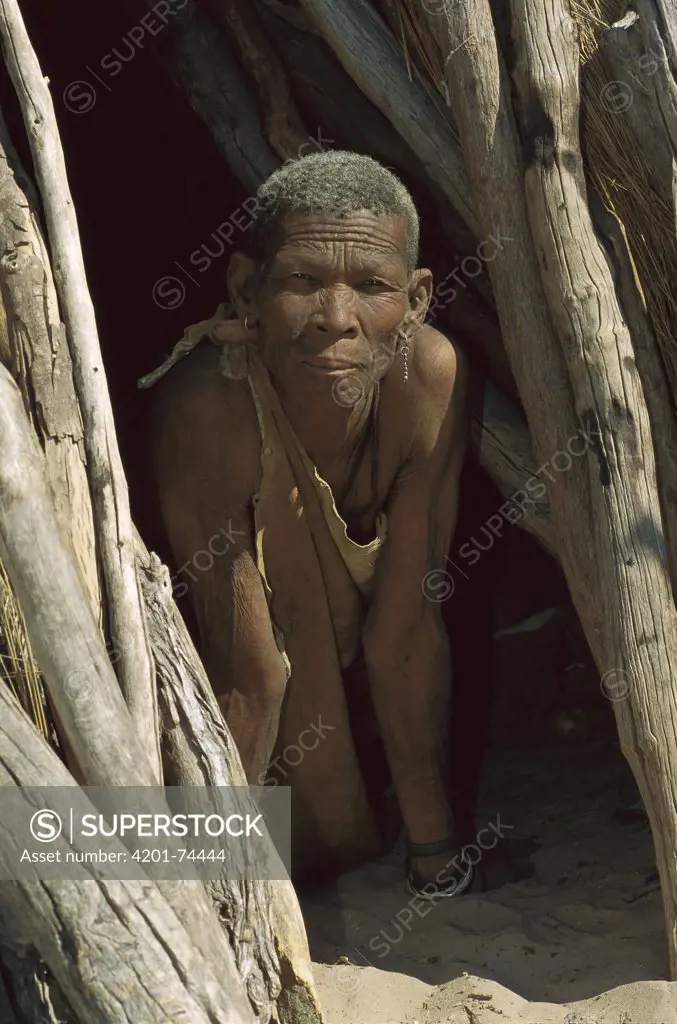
(582, 942)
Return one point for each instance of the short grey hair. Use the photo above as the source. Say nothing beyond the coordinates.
(338, 182)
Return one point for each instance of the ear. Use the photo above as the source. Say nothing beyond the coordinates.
(242, 290)
(420, 293)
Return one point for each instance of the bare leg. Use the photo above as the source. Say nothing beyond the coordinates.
(412, 696)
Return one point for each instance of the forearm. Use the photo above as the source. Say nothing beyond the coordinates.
(245, 667)
(250, 698)
(411, 689)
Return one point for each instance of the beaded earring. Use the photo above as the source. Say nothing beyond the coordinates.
(404, 340)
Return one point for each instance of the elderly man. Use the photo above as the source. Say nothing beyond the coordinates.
(323, 426)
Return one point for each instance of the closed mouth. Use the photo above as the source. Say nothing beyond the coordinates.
(328, 367)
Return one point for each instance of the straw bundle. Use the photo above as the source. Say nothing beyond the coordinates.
(18, 667)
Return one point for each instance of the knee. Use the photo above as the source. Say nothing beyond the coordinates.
(384, 648)
(389, 647)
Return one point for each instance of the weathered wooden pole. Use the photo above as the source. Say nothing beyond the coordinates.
(370, 55)
(34, 349)
(640, 639)
(108, 486)
(574, 365)
(117, 949)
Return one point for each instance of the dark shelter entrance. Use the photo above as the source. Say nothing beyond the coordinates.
(151, 194)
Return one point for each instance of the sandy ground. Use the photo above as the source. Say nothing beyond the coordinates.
(582, 942)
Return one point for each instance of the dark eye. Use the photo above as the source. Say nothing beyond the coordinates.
(302, 277)
(371, 282)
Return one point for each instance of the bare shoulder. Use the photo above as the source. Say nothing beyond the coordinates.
(430, 407)
(439, 365)
(440, 384)
(204, 429)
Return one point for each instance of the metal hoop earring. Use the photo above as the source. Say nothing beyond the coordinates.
(246, 323)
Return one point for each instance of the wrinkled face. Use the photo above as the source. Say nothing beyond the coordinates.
(333, 293)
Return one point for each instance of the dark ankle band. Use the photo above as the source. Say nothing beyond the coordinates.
(432, 849)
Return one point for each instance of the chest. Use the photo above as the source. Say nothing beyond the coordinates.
(360, 485)
(362, 479)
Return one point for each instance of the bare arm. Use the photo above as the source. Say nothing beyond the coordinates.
(405, 641)
(206, 457)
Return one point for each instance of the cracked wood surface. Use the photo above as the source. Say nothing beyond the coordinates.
(658, 22)
(575, 367)
(33, 347)
(117, 949)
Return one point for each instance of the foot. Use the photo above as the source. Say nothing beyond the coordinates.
(440, 876)
(449, 871)
(439, 869)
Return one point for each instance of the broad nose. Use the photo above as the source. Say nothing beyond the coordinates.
(336, 319)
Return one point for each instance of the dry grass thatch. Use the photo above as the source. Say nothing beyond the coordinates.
(18, 667)
(614, 163)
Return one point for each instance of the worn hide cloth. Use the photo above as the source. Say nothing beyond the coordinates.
(317, 581)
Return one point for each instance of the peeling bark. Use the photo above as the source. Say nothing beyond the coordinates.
(33, 347)
(283, 125)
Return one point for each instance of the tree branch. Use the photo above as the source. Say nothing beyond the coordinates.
(370, 55)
